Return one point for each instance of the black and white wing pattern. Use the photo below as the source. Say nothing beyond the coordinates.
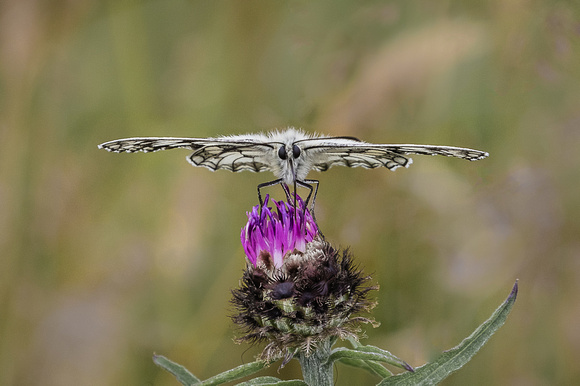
(251, 152)
(290, 154)
(324, 153)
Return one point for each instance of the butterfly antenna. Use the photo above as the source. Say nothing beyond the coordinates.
(295, 204)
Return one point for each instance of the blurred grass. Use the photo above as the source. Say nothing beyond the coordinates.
(108, 258)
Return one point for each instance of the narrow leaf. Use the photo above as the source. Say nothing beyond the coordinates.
(451, 360)
(180, 372)
(370, 366)
(260, 381)
(389, 358)
(397, 362)
(272, 381)
(368, 353)
(236, 373)
(346, 353)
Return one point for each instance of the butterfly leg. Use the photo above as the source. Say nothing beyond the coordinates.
(267, 184)
(311, 185)
(313, 193)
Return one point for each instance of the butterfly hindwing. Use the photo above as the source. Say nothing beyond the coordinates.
(256, 157)
(359, 157)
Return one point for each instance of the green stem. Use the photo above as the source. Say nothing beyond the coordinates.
(316, 369)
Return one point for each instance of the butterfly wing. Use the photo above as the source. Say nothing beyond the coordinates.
(150, 144)
(235, 154)
(235, 157)
(325, 153)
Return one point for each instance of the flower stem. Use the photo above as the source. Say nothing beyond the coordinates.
(316, 369)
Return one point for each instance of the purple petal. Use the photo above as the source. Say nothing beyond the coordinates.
(277, 230)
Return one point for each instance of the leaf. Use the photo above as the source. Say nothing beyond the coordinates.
(370, 366)
(367, 353)
(389, 358)
(186, 378)
(452, 360)
(260, 381)
(180, 372)
(236, 373)
(271, 381)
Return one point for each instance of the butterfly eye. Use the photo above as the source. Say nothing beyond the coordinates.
(282, 152)
(295, 151)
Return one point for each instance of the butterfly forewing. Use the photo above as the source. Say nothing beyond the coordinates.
(352, 153)
(150, 144)
(448, 151)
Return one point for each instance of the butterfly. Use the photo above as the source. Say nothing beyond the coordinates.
(290, 154)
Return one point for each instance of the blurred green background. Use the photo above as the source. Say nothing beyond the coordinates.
(107, 258)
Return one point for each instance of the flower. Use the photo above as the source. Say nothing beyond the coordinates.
(270, 234)
(299, 293)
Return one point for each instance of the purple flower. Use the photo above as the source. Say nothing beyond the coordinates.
(271, 234)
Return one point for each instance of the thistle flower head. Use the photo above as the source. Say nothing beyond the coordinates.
(298, 292)
(271, 234)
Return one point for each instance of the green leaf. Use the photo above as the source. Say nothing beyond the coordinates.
(271, 381)
(186, 378)
(368, 353)
(236, 373)
(388, 357)
(452, 360)
(370, 366)
(260, 381)
(180, 372)
(350, 358)
(342, 353)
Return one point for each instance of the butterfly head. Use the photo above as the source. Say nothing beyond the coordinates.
(284, 150)
(289, 155)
